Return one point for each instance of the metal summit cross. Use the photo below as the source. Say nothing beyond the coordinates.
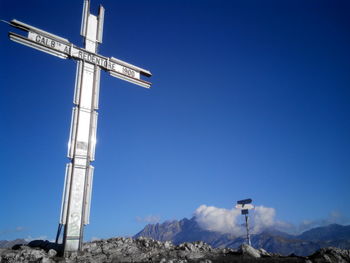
(75, 209)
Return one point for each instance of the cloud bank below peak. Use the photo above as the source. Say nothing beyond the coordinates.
(228, 221)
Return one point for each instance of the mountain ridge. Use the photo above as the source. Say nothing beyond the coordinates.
(188, 230)
(10, 243)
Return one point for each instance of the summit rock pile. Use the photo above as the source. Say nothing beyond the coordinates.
(142, 249)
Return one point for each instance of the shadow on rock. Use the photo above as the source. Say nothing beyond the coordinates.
(43, 244)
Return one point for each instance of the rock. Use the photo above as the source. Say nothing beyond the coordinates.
(52, 253)
(264, 253)
(168, 244)
(100, 258)
(117, 250)
(17, 246)
(45, 244)
(47, 260)
(331, 255)
(247, 250)
(194, 255)
(35, 254)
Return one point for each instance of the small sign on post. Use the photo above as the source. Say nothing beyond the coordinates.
(245, 205)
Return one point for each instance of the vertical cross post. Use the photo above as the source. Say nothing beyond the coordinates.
(79, 173)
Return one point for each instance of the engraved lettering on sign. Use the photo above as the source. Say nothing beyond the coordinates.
(92, 58)
(75, 217)
(111, 66)
(75, 220)
(82, 145)
(49, 42)
(45, 41)
(129, 72)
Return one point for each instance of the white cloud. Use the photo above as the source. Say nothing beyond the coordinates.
(263, 217)
(260, 218)
(232, 222)
(151, 219)
(218, 219)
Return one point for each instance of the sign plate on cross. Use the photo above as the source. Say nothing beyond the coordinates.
(62, 48)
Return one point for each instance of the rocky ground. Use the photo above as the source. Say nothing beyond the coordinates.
(148, 250)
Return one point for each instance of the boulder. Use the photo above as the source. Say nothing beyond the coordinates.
(330, 255)
(249, 251)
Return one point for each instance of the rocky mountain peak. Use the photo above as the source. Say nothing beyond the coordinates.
(188, 230)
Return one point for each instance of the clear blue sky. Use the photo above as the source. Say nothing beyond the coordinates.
(249, 99)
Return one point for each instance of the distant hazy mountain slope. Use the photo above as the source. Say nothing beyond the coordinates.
(11, 243)
(185, 230)
(162, 232)
(327, 233)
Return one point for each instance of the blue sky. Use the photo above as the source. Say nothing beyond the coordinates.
(249, 99)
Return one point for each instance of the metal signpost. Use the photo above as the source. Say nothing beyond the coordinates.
(245, 205)
(75, 209)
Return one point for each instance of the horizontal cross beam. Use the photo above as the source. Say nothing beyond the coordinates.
(62, 48)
